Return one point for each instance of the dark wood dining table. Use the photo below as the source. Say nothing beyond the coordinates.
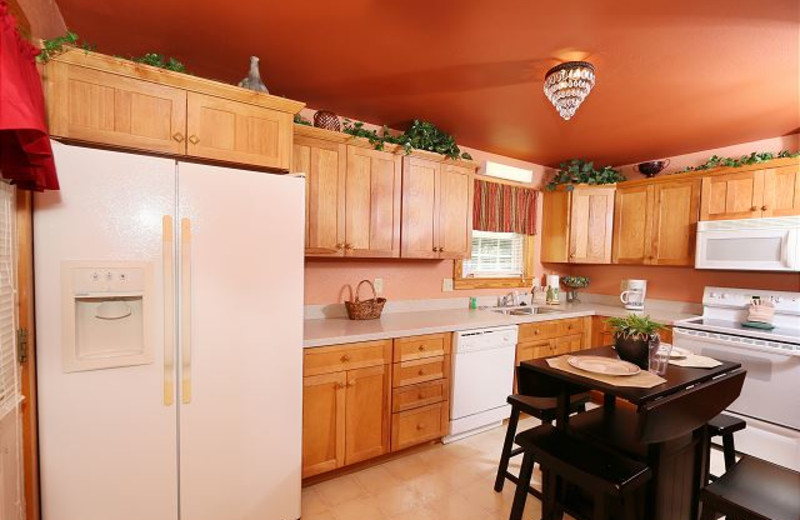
(679, 464)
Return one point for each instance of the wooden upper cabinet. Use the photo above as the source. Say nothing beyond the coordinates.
(782, 191)
(733, 196)
(420, 222)
(591, 224)
(675, 210)
(632, 224)
(226, 130)
(367, 413)
(323, 423)
(324, 164)
(578, 225)
(94, 106)
(372, 203)
(456, 190)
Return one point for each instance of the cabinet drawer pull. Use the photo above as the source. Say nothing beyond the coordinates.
(178, 137)
(536, 332)
(339, 385)
(194, 139)
(441, 250)
(351, 384)
(420, 397)
(345, 358)
(435, 249)
(764, 208)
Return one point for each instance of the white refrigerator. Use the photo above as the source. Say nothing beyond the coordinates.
(169, 307)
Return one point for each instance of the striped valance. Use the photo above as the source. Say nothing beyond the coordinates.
(505, 208)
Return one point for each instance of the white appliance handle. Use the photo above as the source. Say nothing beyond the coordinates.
(167, 258)
(735, 344)
(186, 311)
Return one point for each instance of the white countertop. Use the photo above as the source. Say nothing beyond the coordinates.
(336, 331)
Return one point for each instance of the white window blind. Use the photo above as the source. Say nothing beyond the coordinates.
(9, 375)
(495, 255)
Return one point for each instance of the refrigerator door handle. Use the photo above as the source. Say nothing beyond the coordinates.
(168, 255)
(186, 311)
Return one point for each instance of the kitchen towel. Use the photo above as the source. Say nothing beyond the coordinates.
(643, 379)
(695, 361)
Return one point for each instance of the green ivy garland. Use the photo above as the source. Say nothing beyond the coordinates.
(421, 135)
(715, 161)
(579, 171)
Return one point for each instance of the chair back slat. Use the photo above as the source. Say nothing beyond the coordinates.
(678, 414)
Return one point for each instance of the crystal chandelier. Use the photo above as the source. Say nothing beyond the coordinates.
(566, 86)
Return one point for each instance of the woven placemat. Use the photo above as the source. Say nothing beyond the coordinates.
(643, 379)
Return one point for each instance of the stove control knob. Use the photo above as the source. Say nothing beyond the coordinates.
(777, 299)
(713, 295)
(724, 296)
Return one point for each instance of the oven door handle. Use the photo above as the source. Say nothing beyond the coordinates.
(677, 332)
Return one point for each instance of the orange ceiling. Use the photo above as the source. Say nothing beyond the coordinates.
(673, 76)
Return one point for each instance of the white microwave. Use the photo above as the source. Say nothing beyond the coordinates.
(759, 244)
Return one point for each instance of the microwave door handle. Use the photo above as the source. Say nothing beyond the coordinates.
(729, 344)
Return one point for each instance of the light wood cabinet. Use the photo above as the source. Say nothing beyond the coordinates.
(346, 405)
(437, 209)
(782, 191)
(578, 225)
(372, 203)
(733, 196)
(655, 224)
(324, 164)
(98, 99)
(603, 334)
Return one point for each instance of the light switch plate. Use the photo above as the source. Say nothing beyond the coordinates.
(447, 284)
(378, 283)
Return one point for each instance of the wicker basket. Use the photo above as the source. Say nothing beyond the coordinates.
(365, 309)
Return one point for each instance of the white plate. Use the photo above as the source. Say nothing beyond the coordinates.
(677, 352)
(603, 365)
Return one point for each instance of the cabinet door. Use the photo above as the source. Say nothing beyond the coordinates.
(733, 196)
(567, 344)
(323, 423)
(324, 164)
(555, 226)
(455, 211)
(632, 225)
(591, 222)
(675, 210)
(372, 194)
(420, 223)
(98, 107)
(782, 192)
(368, 413)
(236, 132)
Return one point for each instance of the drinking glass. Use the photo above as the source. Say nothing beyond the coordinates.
(659, 357)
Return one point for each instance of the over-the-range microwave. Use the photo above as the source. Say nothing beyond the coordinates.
(759, 244)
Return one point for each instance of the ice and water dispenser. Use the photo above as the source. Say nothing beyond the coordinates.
(107, 320)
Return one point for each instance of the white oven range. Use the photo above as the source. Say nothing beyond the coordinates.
(770, 398)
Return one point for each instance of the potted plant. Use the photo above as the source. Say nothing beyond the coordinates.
(632, 337)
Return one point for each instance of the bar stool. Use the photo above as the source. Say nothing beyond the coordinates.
(544, 409)
(753, 489)
(609, 477)
(725, 426)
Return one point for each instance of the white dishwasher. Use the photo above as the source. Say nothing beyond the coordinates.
(483, 377)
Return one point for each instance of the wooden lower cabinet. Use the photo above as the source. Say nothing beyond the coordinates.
(419, 425)
(543, 339)
(323, 422)
(366, 413)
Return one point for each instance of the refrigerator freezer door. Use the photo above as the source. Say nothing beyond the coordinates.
(107, 441)
(240, 433)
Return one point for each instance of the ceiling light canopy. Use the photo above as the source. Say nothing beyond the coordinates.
(566, 86)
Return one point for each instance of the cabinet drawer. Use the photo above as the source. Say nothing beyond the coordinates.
(567, 344)
(420, 370)
(419, 425)
(570, 326)
(418, 347)
(533, 350)
(324, 360)
(538, 331)
(423, 394)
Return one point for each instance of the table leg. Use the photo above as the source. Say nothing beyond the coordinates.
(562, 408)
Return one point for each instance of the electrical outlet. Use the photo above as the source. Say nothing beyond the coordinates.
(447, 284)
(378, 283)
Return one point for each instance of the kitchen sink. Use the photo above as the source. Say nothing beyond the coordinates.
(524, 311)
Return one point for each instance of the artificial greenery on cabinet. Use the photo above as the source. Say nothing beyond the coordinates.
(421, 135)
(715, 161)
(580, 171)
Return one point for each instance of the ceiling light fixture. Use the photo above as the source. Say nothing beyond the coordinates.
(566, 86)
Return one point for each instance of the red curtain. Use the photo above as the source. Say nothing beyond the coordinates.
(26, 157)
(503, 207)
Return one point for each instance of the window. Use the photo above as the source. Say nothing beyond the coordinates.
(495, 255)
(498, 260)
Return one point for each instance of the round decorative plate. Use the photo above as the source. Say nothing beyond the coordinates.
(603, 365)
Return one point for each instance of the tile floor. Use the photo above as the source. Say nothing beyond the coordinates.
(439, 482)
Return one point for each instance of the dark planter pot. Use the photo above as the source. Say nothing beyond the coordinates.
(633, 350)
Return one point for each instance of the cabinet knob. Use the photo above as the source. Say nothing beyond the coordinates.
(339, 246)
(420, 426)
(420, 397)
(536, 332)
(351, 384)
(178, 137)
(345, 358)
(753, 208)
(194, 139)
(421, 348)
(435, 249)
(348, 246)
(764, 208)
(441, 250)
(421, 372)
(339, 385)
